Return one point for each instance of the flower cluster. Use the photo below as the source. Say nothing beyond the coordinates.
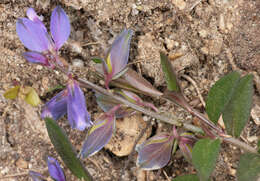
(33, 34)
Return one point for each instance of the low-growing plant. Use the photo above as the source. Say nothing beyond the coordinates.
(230, 99)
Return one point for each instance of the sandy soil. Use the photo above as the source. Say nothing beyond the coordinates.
(215, 37)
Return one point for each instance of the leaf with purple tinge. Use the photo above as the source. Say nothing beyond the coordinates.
(33, 36)
(117, 56)
(131, 80)
(56, 107)
(106, 104)
(55, 170)
(78, 115)
(35, 57)
(155, 153)
(59, 27)
(36, 176)
(98, 135)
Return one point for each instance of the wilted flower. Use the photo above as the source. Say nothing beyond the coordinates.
(100, 133)
(117, 56)
(71, 101)
(155, 153)
(33, 34)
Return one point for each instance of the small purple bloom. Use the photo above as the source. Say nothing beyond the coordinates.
(55, 170)
(33, 34)
(56, 107)
(70, 101)
(78, 115)
(36, 176)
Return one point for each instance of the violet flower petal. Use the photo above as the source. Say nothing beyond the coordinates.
(60, 26)
(98, 135)
(155, 153)
(35, 57)
(33, 36)
(32, 15)
(56, 107)
(36, 176)
(55, 170)
(78, 115)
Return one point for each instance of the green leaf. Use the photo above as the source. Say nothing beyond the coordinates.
(12, 93)
(32, 98)
(258, 146)
(65, 149)
(220, 94)
(249, 167)
(186, 178)
(237, 112)
(169, 74)
(97, 60)
(204, 157)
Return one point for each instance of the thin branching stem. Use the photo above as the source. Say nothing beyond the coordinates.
(173, 120)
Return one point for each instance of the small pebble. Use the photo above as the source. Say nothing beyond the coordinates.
(77, 63)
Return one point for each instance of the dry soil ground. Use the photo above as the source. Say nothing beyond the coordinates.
(215, 37)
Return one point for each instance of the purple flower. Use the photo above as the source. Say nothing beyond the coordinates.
(55, 170)
(78, 115)
(36, 176)
(56, 107)
(117, 57)
(33, 34)
(72, 102)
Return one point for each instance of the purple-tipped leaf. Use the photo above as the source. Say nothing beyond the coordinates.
(56, 107)
(106, 104)
(117, 57)
(35, 57)
(33, 36)
(186, 142)
(36, 176)
(78, 115)
(155, 153)
(55, 170)
(98, 135)
(59, 27)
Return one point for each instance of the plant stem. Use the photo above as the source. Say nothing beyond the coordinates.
(173, 120)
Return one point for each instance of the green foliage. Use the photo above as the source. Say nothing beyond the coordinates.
(249, 167)
(237, 112)
(187, 178)
(57, 87)
(204, 157)
(97, 60)
(220, 94)
(231, 96)
(65, 149)
(169, 74)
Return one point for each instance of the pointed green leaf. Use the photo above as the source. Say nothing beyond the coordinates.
(12, 93)
(220, 94)
(97, 60)
(249, 167)
(32, 98)
(204, 157)
(237, 112)
(258, 146)
(186, 178)
(169, 74)
(65, 149)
